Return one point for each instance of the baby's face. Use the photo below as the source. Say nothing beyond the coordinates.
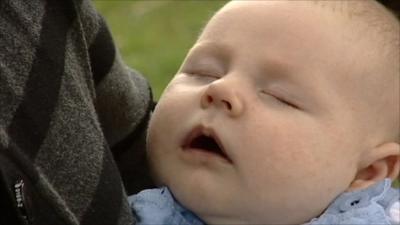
(261, 123)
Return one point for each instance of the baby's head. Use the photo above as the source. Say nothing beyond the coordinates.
(278, 108)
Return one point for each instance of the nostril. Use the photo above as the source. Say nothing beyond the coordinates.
(209, 99)
(227, 104)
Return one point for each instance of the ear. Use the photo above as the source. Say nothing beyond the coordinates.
(377, 164)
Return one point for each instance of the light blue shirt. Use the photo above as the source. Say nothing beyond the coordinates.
(378, 204)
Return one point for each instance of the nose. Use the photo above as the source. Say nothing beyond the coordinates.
(222, 95)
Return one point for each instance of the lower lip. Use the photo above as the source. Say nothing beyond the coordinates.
(203, 155)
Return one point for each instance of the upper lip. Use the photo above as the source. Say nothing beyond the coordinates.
(206, 131)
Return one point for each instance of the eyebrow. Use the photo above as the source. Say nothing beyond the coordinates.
(213, 51)
(224, 51)
(216, 48)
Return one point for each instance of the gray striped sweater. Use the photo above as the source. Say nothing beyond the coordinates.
(69, 109)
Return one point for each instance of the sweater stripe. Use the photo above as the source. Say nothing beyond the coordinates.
(110, 196)
(102, 53)
(33, 115)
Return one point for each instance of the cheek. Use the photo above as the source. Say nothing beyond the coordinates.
(288, 152)
(165, 115)
(168, 125)
(172, 108)
(279, 152)
(289, 165)
(159, 138)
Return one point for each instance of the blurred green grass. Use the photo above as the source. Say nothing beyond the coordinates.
(154, 36)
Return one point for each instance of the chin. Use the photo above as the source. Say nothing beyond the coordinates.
(205, 207)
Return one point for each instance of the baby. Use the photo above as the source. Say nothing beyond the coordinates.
(283, 112)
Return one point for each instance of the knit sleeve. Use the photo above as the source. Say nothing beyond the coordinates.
(123, 100)
(66, 99)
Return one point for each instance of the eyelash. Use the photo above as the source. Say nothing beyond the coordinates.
(282, 100)
(202, 74)
(288, 103)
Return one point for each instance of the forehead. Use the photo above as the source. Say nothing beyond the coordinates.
(346, 23)
(268, 19)
(294, 35)
(316, 30)
(266, 24)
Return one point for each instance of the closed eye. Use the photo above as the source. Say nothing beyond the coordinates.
(281, 100)
(202, 74)
(286, 102)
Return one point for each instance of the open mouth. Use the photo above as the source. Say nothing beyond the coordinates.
(205, 142)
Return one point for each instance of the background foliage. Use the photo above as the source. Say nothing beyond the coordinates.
(154, 36)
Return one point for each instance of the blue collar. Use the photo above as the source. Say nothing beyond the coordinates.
(378, 204)
(373, 205)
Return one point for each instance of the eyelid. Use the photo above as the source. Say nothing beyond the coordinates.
(200, 77)
(282, 99)
(287, 102)
(203, 65)
(204, 68)
(201, 73)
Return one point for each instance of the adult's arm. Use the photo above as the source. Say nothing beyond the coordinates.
(123, 102)
(66, 98)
